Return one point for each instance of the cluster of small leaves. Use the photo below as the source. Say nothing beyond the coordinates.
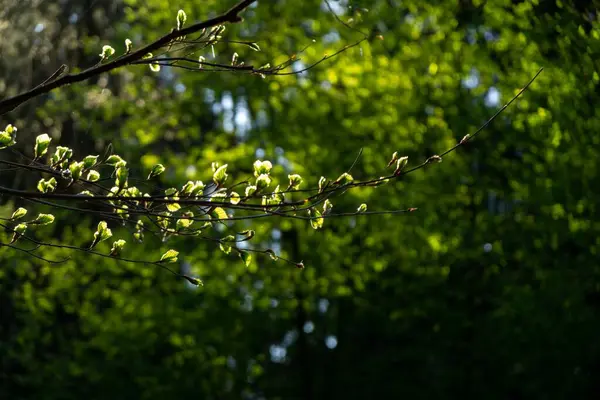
(193, 209)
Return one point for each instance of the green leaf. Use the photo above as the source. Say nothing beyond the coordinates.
(234, 198)
(219, 213)
(173, 207)
(184, 221)
(198, 189)
(400, 164)
(117, 247)
(42, 142)
(128, 45)
(263, 181)
(76, 168)
(186, 190)
(43, 219)
(250, 190)
(277, 197)
(122, 176)
(228, 238)
(138, 236)
(262, 167)
(316, 221)
(102, 233)
(18, 214)
(327, 206)
(246, 257)
(6, 140)
(154, 66)
(272, 254)
(89, 161)
(107, 51)
(20, 229)
(362, 208)
(181, 18)
(156, 170)
(344, 179)
(322, 182)
(225, 248)
(220, 175)
(61, 155)
(93, 176)
(113, 160)
(47, 186)
(394, 158)
(295, 181)
(8, 136)
(248, 234)
(171, 192)
(194, 281)
(170, 256)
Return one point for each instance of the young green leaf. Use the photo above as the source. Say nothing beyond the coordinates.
(193, 281)
(8, 136)
(113, 160)
(18, 214)
(344, 179)
(250, 190)
(156, 170)
(181, 18)
(295, 181)
(228, 238)
(317, 221)
(400, 164)
(362, 208)
(89, 161)
(93, 176)
(234, 198)
(322, 182)
(43, 219)
(42, 142)
(262, 167)
(198, 189)
(185, 220)
(154, 66)
(102, 233)
(249, 234)
(219, 214)
(220, 175)
(76, 168)
(128, 45)
(47, 186)
(170, 256)
(225, 248)
(272, 254)
(107, 51)
(327, 206)
(122, 176)
(117, 247)
(186, 190)
(19, 230)
(394, 159)
(263, 181)
(246, 257)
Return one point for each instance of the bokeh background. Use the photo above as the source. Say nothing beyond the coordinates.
(490, 291)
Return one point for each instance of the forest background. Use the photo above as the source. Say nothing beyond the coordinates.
(491, 289)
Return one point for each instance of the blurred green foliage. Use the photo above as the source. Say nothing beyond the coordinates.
(491, 290)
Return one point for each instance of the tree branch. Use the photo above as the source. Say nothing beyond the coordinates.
(231, 16)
